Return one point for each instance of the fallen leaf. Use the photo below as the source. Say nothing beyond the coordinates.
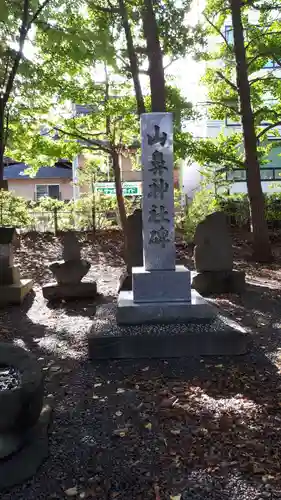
(175, 431)
(98, 385)
(120, 432)
(72, 492)
(177, 497)
(118, 413)
(120, 391)
(145, 369)
(148, 426)
(55, 368)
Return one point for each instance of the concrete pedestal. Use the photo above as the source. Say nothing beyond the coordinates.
(130, 312)
(85, 289)
(15, 294)
(108, 340)
(161, 286)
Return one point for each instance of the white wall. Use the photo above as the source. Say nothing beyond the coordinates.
(267, 187)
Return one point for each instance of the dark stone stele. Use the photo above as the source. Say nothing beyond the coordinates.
(8, 236)
(218, 282)
(134, 249)
(23, 423)
(107, 340)
(213, 257)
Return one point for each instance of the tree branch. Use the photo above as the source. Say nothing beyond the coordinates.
(106, 10)
(229, 82)
(171, 62)
(37, 13)
(222, 104)
(24, 28)
(269, 127)
(261, 79)
(23, 33)
(265, 110)
(230, 48)
(91, 142)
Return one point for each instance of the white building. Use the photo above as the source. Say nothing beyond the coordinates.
(207, 128)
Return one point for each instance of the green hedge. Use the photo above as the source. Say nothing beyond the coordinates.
(236, 206)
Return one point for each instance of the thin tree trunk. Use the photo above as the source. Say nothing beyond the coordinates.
(155, 58)
(134, 68)
(2, 142)
(119, 193)
(261, 242)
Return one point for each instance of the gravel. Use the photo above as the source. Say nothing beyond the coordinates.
(195, 429)
(9, 378)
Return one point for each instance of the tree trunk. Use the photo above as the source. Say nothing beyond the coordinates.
(134, 68)
(2, 141)
(119, 193)
(261, 242)
(155, 58)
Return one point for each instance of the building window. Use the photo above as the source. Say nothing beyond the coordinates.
(229, 35)
(236, 175)
(47, 190)
(277, 174)
(270, 64)
(267, 174)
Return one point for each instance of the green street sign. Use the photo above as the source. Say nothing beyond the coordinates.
(129, 188)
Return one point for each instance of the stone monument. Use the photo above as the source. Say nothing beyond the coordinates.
(161, 316)
(69, 273)
(134, 249)
(161, 290)
(13, 289)
(213, 258)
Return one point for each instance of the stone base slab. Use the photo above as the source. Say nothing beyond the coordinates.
(161, 286)
(9, 275)
(125, 282)
(15, 294)
(34, 449)
(130, 312)
(217, 282)
(108, 340)
(85, 289)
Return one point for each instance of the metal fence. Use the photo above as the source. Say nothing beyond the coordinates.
(60, 220)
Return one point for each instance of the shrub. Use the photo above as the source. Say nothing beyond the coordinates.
(13, 210)
(203, 204)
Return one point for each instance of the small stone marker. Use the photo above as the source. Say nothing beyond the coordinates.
(213, 257)
(69, 273)
(71, 247)
(12, 288)
(134, 249)
(213, 245)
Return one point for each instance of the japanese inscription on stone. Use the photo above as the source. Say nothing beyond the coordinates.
(158, 199)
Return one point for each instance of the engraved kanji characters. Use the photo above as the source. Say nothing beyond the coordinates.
(158, 188)
(158, 163)
(156, 215)
(159, 236)
(157, 138)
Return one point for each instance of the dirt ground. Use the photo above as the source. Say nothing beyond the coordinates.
(190, 429)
